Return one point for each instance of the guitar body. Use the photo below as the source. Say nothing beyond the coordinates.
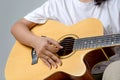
(19, 66)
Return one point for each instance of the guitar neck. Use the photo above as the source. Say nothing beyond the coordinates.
(97, 42)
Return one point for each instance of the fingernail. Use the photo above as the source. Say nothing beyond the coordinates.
(55, 66)
(60, 64)
(61, 46)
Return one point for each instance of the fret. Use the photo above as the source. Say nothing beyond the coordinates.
(95, 42)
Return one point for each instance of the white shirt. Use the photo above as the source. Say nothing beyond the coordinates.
(72, 11)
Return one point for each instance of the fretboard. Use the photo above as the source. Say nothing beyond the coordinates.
(97, 42)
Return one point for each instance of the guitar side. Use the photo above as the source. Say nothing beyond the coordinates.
(19, 66)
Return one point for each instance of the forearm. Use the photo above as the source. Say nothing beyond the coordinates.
(23, 34)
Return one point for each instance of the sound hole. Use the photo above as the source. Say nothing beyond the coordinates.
(67, 44)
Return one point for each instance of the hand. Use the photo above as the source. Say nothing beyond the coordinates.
(46, 49)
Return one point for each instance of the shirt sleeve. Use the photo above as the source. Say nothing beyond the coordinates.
(118, 4)
(42, 13)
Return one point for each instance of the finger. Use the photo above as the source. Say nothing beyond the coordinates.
(46, 62)
(52, 49)
(54, 58)
(49, 62)
(55, 43)
(52, 63)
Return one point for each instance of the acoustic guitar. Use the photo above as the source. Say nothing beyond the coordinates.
(78, 40)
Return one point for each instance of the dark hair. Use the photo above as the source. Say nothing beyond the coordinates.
(99, 2)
